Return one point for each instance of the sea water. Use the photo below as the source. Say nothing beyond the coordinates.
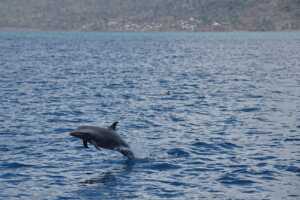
(208, 115)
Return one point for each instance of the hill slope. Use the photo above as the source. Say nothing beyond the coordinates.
(154, 15)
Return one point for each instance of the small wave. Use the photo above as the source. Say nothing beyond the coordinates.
(228, 145)
(215, 146)
(14, 165)
(293, 169)
(175, 118)
(231, 120)
(289, 168)
(294, 196)
(262, 119)
(178, 152)
(62, 130)
(261, 164)
(254, 96)
(204, 145)
(264, 158)
(163, 166)
(253, 109)
(257, 132)
(267, 175)
(99, 95)
(292, 139)
(57, 114)
(276, 92)
(169, 182)
(232, 180)
(4, 149)
(7, 175)
(57, 120)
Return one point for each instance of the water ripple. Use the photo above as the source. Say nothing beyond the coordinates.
(209, 116)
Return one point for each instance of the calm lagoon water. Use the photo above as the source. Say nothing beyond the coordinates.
(209, 115)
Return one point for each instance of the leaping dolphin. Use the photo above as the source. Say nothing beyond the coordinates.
(106, 138)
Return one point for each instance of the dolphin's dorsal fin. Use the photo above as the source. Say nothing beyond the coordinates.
(113, 126)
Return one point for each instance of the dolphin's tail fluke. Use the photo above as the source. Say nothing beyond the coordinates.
(126, 152)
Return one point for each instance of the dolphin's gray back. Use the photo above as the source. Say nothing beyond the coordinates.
(104, 137)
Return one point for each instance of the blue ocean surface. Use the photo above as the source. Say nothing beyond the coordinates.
(208, 115)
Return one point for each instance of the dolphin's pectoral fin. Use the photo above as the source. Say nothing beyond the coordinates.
(85, 143)
(114, 126)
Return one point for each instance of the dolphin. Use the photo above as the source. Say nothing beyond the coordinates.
(106, 138)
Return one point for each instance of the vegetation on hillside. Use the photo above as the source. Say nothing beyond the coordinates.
(154, 15)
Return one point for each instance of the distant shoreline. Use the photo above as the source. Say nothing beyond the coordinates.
(150, 16)
(13, 29)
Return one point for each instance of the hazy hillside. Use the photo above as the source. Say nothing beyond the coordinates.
(150, 15)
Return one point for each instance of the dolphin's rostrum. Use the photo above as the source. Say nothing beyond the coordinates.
(106, 138)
